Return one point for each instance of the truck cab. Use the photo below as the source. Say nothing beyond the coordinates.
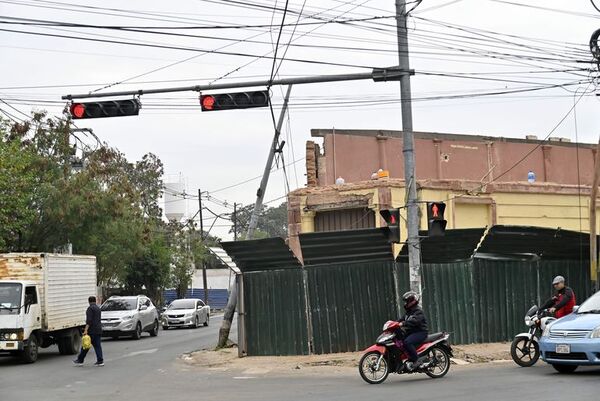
(20, 314)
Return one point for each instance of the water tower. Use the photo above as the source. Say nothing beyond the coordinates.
(174, 201)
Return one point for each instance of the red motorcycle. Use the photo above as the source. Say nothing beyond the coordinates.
(388, 355)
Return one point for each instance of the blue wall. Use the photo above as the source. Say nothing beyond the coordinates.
(217, 298)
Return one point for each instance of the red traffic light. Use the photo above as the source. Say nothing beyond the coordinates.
(78, 110)
(111, 108)
(237, 100)
(207, 102)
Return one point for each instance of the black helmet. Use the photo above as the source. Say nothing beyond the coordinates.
(410, 299)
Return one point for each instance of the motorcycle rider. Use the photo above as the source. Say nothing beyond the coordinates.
(562, 303)
(413, 327)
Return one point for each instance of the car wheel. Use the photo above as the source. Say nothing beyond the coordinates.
(206, 322)
(138, 332)
(154, 331)
(196, 322)
(564, 368)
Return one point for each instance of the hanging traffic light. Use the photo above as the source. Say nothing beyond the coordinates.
(436, 225)
(111, 108)
(392, 218)
(231, 101)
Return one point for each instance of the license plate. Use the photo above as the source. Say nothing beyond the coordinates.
(563, 349)
(8, 345)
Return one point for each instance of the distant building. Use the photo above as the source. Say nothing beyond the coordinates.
(483, 180)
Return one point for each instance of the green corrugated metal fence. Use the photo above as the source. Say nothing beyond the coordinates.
(349, 303)
(275, 312)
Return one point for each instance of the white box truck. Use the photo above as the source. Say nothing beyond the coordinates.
(43, 299)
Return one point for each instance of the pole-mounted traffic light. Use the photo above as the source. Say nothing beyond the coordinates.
(392, 218)
(111, 108)
(231, 101)
(436, 225)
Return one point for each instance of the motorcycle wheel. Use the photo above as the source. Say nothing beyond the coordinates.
(524, 355)
(366, 367)
(439, 362)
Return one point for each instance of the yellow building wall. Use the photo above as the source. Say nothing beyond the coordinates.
(470, 215)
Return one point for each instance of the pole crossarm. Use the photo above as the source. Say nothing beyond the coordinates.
(377, 75)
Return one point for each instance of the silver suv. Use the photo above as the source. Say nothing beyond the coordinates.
(129, 316)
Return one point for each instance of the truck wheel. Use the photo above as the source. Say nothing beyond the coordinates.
(30, 353)
(70, 344)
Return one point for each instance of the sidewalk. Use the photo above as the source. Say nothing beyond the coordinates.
(227, 359)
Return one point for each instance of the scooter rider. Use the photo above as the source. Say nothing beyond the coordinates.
(562, 303)
(414, 328)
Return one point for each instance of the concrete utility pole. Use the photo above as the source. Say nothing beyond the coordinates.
(234, 221)
(204, 281)
(260, 194)
(593, 243)
(412, 209)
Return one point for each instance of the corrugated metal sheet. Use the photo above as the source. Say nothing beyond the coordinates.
(448, 298)
(346, 219)
(459, 244)
(520, 241)
(349, 303)
(275, 312)
(345, 246)
(261, 254)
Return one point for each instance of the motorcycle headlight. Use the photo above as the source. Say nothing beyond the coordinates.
(595, 333)
(528, 321)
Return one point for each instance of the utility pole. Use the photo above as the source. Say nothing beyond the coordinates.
(412, 209)
(260, 194)
(593, 237)
(234, 221)
(202, 241)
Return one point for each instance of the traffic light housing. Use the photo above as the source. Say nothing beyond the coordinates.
(392, 218)
(232, 101)
(111, 108)
(436, 225)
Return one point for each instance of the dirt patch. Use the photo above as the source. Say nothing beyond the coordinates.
(227, 359)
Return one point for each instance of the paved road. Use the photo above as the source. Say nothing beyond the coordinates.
(132, 368)
(150, 369)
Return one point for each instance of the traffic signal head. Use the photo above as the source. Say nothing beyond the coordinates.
(392, 218)
(436, 225)
(111, 108)
(231, 101)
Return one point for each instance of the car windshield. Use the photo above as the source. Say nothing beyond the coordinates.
(591, 305)
(119, 304)
(182, 304)
(10, 298)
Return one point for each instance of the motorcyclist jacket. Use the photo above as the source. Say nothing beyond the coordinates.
(414, 321)
(563, 302)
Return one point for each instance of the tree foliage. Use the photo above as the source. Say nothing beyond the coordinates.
(109, 209)
(272, 221)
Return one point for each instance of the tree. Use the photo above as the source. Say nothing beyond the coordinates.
(272, 221)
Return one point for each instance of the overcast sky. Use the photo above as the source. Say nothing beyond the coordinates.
(486, 67)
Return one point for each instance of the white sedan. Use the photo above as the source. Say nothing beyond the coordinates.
(189, 312)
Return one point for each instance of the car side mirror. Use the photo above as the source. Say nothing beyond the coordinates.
(143, 307)
(575, 308)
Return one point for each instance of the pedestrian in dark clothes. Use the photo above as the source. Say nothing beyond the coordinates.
(93, 328)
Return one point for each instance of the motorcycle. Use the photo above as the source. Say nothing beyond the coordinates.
(388, 355)
(525, 350)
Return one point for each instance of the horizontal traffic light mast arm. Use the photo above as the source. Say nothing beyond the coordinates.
(377, 75)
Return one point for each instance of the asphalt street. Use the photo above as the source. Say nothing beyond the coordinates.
(151, 369)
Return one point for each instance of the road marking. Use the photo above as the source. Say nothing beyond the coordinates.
(147, 351)
(244, 377)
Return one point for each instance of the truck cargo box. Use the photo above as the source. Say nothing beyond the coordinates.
(64, 283)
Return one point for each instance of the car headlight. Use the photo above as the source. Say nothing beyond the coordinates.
(189, 314)
(595, 333)
(13, 336)
(128, 317)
